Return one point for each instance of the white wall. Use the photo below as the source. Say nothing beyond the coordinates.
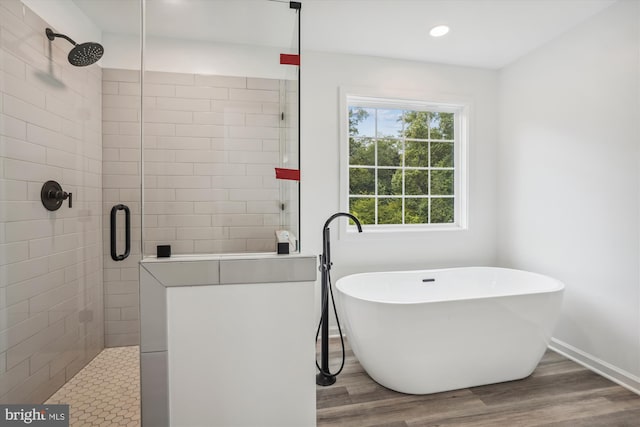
(568, 182)
(322, 76)
(122, 51)
(65, 17)
(196, 57)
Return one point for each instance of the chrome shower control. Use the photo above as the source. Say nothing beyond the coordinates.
(52, 196)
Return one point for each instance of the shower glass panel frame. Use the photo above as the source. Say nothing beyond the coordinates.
(219, 116)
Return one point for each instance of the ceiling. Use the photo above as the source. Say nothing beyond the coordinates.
(484, 33)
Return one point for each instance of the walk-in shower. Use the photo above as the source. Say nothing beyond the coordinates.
(216, 103)
(220, 175)
(188, 139)
(51, 246)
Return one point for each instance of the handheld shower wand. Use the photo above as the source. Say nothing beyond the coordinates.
(325, 377)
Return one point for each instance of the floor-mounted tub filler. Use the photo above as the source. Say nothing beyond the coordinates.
(429, 331)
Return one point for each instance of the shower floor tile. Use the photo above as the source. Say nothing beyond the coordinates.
(106, 392)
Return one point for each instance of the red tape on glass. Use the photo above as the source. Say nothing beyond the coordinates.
(288, 59)
(291, 174)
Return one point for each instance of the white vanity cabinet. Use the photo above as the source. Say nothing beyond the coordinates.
(228, 341)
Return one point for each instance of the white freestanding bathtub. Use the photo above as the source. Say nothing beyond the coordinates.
(429, 331)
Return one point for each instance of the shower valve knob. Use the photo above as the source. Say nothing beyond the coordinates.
(61, 195)
(52, 196)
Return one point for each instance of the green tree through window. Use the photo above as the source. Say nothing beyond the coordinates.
(401, 166)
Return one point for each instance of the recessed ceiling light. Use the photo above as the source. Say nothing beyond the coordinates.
(439, 31)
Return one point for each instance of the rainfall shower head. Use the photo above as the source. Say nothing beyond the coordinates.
(82, 54)
(85, 54)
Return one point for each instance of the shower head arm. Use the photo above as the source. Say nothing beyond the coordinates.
(51, 35)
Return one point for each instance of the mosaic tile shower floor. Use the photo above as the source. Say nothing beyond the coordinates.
(106, 392)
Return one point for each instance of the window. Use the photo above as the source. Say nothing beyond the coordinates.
(404, 164)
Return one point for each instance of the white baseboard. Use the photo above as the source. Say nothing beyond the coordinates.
(617, 375)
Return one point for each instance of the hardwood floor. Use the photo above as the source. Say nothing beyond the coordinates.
(559, 393)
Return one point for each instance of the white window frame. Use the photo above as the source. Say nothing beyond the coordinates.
(393, 100)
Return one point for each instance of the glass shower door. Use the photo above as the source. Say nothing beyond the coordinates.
(220, 115)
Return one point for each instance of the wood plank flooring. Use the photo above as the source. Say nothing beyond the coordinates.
(560, 393)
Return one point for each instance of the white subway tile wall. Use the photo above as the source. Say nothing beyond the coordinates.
(51, 290)
(121, 185)
(211, 146)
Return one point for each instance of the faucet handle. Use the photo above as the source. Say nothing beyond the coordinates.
(52, 196)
